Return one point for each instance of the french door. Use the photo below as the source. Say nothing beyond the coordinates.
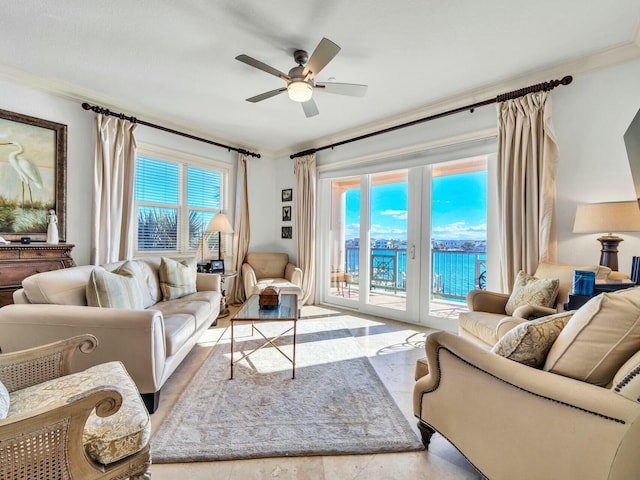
(407, 243)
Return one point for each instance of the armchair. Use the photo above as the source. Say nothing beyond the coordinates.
(514, 421)
(261, 270)
(487, 321)
(87, 425)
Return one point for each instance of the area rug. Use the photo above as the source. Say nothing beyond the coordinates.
(336, 405)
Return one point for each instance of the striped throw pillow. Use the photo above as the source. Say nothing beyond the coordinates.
(113, 290)
(177, 279)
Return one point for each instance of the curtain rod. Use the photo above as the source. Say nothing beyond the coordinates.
(122, 116)
(539, 87)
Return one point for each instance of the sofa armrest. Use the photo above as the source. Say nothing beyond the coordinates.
(208, 282)
(134, 337)
(293, 274)
(484, 301)
(24, 368)
(531, 312)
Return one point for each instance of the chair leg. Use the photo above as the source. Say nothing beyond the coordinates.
(425, 432)
(151, 401)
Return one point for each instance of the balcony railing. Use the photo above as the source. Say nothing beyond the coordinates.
(454, 273)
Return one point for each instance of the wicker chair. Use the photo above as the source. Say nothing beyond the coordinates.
(60, 425)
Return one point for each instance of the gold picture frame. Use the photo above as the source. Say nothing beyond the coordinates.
(33, 170)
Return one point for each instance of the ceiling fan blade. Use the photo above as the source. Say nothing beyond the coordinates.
(265, 95)
(310, 108)
(350, 89)
(323, 54)
(262, 66)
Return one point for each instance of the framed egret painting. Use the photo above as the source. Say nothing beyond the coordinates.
(33, 168)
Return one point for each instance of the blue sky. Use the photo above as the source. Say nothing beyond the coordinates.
(459, 204)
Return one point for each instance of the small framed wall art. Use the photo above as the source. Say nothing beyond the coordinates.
(286, 214)
(287, 195)
(287, 232)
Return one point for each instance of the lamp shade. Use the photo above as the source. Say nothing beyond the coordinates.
(220, 223)
(607, 217)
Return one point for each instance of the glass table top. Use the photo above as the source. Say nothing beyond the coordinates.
(287, 310)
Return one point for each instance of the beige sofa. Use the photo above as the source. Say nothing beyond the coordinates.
(150, 342)
(261, 270)
(486, 321)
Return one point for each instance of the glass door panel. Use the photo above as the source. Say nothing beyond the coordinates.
(458, 234)
(343, 265)
(387, 261)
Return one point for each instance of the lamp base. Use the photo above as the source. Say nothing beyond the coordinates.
(609, 251)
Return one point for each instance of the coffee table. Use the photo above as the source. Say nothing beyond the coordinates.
(287, 311)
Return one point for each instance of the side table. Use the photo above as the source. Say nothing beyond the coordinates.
(224, 306)
(576, 301)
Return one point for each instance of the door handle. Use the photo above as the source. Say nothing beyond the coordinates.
(412, 252)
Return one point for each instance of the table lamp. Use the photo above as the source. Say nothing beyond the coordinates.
(219, 223)
(608, 217)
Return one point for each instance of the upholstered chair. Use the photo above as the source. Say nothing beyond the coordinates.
(489, 317)
(261, 270)
(55, 424)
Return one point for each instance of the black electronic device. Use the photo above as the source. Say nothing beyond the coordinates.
(217, 266)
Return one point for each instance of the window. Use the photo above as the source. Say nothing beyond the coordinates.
(176, 198)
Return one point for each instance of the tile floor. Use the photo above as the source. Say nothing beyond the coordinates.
(392, 348)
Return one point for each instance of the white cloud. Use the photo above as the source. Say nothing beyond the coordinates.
(397, 214)
(460, 231)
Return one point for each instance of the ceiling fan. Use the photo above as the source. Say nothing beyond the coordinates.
(300, 80)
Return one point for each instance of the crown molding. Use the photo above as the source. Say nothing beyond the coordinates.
(619, 54)
(78, 94)
(606, 58)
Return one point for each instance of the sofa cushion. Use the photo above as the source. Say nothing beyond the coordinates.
(177, 279)
(66, 286)
(106, 439)
(117, 289)
(529, 290)
(4, 401)
(529, 342)
(204, 306)
(482, 325)
(600, 337)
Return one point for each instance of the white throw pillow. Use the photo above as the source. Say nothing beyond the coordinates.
(4, 401)
(600, 337)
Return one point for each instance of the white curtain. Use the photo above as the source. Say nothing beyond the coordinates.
(241, 232)
(113, 190)
(527, 165)
(305, 213)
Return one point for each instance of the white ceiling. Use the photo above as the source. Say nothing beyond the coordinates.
(173, 62)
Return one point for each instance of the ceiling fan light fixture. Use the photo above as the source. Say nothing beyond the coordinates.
(300, 91)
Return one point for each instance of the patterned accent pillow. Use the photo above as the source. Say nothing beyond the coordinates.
(4, 401)
(133, 269)
(529, 290)
(113, 290)
(530, 342)
(177, 279)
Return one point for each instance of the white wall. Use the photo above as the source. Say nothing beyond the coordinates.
(591, 116)
(266, 178)
(80, 153)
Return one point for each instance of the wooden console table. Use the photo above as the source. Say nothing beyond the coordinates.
(18, 261)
